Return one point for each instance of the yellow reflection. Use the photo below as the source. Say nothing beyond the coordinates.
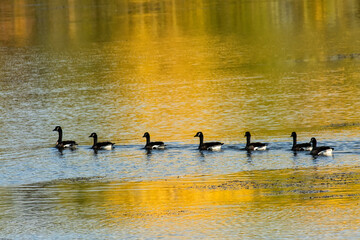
(214, 66)
(211, 197)
(163, 198)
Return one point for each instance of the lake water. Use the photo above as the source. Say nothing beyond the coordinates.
(173, 68)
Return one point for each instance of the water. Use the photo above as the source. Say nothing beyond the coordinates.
(173, 68)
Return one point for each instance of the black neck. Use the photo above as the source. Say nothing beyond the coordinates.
(60, 136)
(294, 140)
(95, 139)
(248, 140)
(201, 140)
(314, 143)
(147, 139)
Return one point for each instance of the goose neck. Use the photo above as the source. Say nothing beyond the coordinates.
(60, 136)
(201, 137)
(95, 139)
(294, 141)
(314, 143)
(248, 140)
(147, 139)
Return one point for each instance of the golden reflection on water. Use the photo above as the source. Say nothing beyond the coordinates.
(220, 67)
(313, 201)
(174, 68)
(230, 196)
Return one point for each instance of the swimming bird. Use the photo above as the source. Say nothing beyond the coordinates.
(299, 146)
(323, 150)
(101, 145)
(152, 145)
(212, 146)
(253, 146)
(63, 144)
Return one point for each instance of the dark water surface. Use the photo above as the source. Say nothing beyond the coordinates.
(173, 68)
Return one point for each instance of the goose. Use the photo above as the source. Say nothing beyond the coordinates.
(299, 146)
(101, 145)
(63, 144)
(253, 146)
(152, 145)
(323, 150)
(212, 146)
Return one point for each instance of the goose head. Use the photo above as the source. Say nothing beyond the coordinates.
(93, 135)
(57, 128)
(199, 134)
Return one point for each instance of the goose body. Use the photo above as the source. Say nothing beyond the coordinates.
(63, 144)
(256, 146)
(300, 146)
(101, 145)
(212, 146)
(152, 145)
(322, 150)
